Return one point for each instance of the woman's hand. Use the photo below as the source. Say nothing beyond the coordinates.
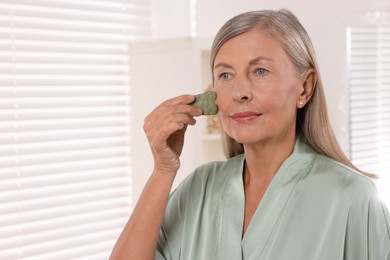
(165, 127)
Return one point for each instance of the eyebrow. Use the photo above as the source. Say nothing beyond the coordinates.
(223, 64)
(251, 62)
(260, 58)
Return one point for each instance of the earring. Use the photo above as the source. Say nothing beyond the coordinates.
(300, 104)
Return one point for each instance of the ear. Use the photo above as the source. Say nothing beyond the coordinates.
(309, 82)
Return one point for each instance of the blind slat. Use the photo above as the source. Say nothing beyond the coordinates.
(65, 178)
(369, 82)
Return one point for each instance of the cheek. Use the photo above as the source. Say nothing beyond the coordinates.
(222, 104)
(221, 99)
(286, 97)
(280, 105)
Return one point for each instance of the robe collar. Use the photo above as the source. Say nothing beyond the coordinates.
(294, 168)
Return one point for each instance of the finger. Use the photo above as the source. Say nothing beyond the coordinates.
(182, 109)
(179, 100)
(158, 136)
(164, 113)
(171, 123)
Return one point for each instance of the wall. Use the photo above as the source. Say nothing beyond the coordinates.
(171, 18)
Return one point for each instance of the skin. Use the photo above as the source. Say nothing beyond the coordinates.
(258, 94)
(257, 106)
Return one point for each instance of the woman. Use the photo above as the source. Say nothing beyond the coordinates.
(287, 190)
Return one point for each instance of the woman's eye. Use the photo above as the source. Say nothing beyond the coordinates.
(224, 76)
(261, 71)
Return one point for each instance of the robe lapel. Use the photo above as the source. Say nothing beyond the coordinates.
(232, 217)
(274, 200)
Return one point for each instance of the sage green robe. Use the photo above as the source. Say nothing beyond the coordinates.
(314, 209)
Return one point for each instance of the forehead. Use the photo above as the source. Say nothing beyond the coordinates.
(248, 45)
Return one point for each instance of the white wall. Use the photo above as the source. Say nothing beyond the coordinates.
(171, 18)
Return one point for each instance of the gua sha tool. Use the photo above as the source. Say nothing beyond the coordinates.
(206, 102)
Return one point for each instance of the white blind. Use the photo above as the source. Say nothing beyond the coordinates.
(369, 83)
(369, 79)
(65, 183)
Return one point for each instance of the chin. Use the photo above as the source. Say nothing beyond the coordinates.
(248, 139)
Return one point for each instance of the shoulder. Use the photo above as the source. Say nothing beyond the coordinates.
(204, 186)
(352, 191)
(342, 176)
(339, 185)
(212, 169)
(215, 173)
(208, 179)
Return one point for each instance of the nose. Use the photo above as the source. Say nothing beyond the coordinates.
(242, 90)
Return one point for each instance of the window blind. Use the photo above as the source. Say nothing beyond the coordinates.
(65, 178)
(369, 84)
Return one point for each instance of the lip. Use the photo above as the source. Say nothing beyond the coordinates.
(245, 116)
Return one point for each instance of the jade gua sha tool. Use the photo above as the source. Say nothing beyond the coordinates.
(206, 102)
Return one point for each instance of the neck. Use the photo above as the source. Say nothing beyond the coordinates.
(264, 160)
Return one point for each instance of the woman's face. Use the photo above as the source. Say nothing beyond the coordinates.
(257, 89)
